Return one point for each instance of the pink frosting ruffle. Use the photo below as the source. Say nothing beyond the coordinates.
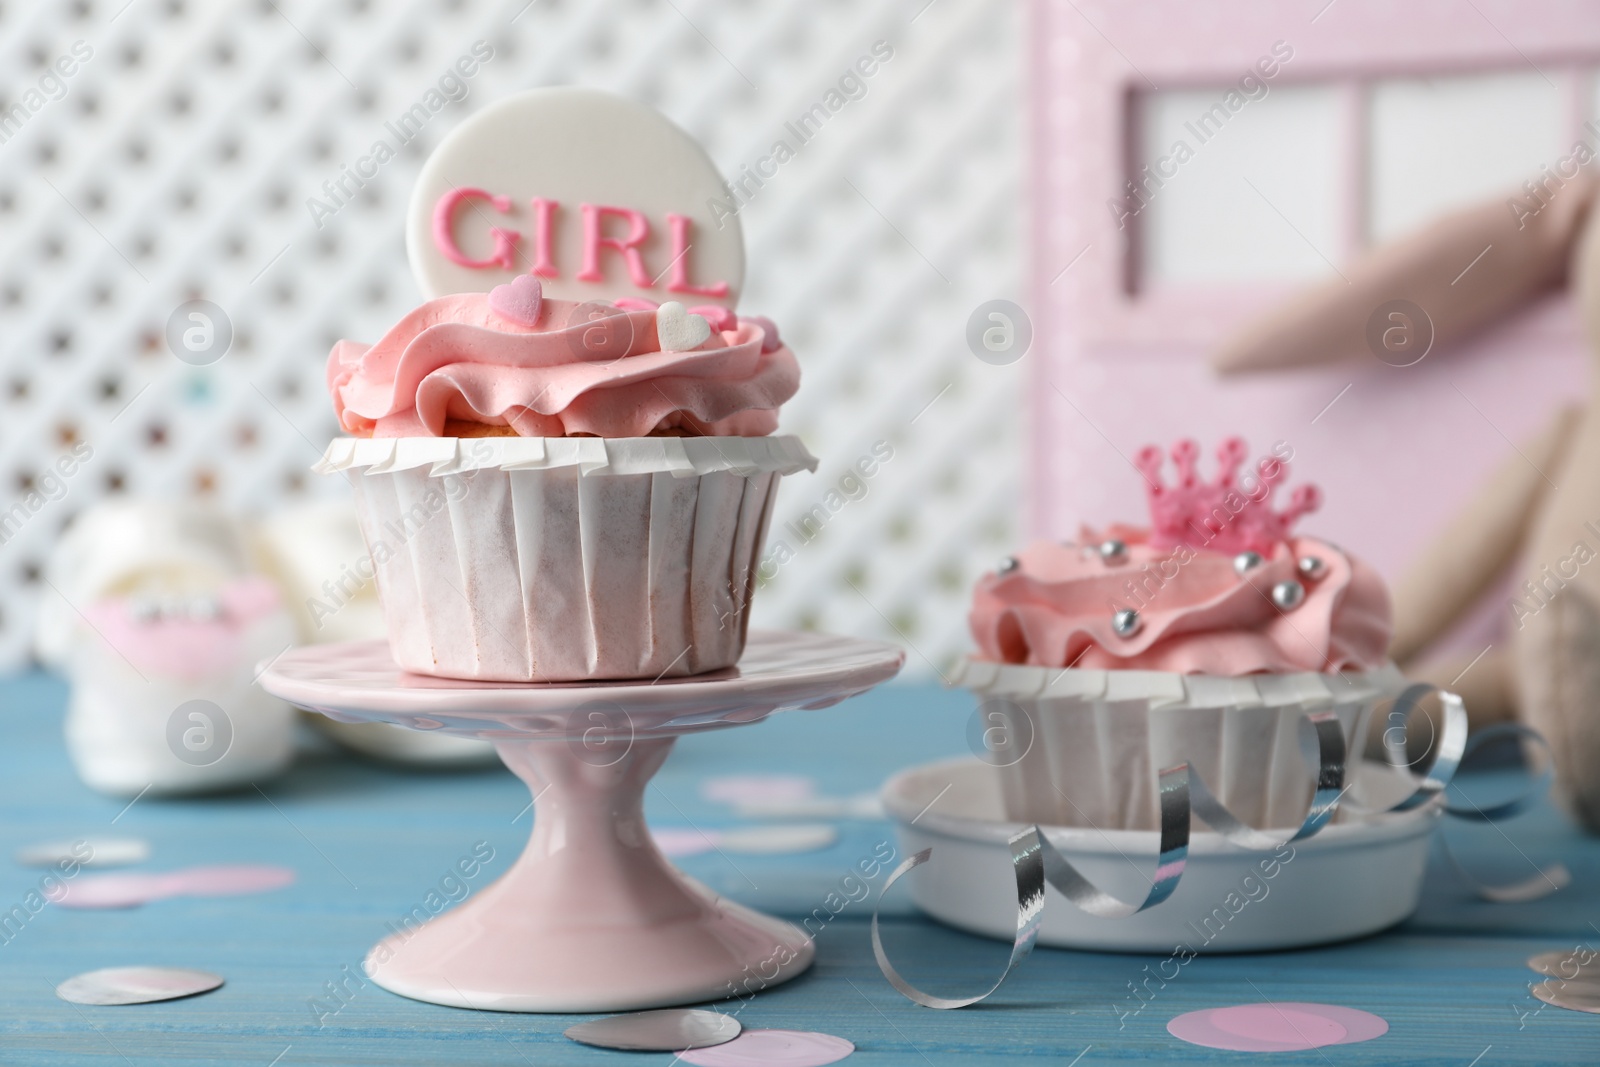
(1197, 615)
(456, 358)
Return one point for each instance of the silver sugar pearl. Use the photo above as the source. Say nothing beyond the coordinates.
(1311, 567)
(205, 608)
(1113, 551)
(1008, 565)
(143, 610)
(1246, 561)
(1288, 595)
(1126, 622)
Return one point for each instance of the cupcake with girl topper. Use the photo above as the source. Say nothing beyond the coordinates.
(565, 460)
(1204, 637)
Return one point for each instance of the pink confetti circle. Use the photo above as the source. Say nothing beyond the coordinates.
(772, 1048)
(676, 841)
(1276, 1027)
(130, 890)
(229, 881)
(1278, 1024)
(758, 788)
(112, 891)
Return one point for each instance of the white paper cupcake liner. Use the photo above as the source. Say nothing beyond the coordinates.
(1085, 747)
(684, 457)
(565, 559)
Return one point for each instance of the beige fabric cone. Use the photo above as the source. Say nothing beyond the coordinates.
(1557, 645)
(1486, 537)
(1465, 270)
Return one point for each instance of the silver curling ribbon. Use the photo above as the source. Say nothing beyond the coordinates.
(1447, 754)
(1033, 862)
(1324, 743)
(1181, 793)
(1453, 749)
(1545, 880)
(1173, 787)
(1029, 870)
(1185, 795)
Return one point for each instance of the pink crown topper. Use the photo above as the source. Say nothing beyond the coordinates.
(1223, 515)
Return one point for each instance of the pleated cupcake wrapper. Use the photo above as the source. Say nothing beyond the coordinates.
(563, 572)
(1092, 743)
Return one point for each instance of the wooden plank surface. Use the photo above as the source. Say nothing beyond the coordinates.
(368, 843)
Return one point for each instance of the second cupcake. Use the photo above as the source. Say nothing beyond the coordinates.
(1202, 638)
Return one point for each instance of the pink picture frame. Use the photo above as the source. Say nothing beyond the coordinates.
(1117, 364)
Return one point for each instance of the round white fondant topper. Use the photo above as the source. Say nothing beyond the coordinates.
(595, 195)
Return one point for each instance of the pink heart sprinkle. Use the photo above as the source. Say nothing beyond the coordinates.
(518, 300)
(769, 331)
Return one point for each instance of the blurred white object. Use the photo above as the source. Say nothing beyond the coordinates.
(158, 623)
(316, 554)
(396, 743)
(125, 546)
(134, 724)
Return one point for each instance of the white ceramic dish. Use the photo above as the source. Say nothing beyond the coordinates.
(1354, 878)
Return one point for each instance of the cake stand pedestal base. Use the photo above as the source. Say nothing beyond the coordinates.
(592, 917)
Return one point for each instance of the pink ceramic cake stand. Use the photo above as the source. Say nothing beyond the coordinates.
(591, 917)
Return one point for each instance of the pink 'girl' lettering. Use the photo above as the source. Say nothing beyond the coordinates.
(596, 242)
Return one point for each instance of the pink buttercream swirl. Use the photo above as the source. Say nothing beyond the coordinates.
(1197, 614)
(458, 358)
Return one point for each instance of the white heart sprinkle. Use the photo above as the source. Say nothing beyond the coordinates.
(679, 331)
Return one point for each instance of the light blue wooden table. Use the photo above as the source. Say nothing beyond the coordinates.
(369, 843)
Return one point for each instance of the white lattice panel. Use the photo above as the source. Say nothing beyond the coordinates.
(176, 160)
